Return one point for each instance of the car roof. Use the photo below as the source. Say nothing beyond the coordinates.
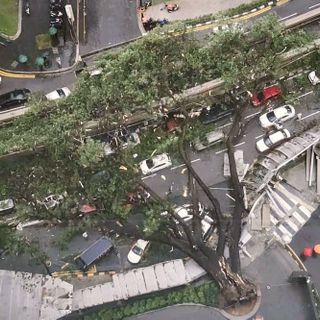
(280, 111)
(276, 136)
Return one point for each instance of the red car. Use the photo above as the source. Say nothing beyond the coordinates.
(266, 94)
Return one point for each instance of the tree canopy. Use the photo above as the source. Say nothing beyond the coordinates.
(155, 66)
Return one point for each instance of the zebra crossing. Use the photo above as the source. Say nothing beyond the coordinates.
(289, 212)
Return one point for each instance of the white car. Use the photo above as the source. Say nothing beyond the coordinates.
(277, 116)
(58, 94)
(155, 164)
(313, 78)
(272, 140)
(137, 251)
(184, 213)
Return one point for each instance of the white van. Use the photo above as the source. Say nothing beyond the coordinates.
(210, 139)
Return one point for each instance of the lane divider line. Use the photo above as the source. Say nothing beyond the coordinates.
(291, 15)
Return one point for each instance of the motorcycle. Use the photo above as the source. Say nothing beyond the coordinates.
(171, 7)
(55, 14)
(27, 9)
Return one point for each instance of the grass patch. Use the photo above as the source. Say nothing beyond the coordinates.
(43, 41)
(205, 294)
(9, 17)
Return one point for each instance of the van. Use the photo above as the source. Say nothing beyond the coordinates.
(6, 206)
(96, 251)
(209, 140)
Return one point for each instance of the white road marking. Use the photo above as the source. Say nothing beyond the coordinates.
(309, 115)
(258, 137)
(228, 195)
(291, 15)
(240, 144)
(195, 160)
(177, 167)
(221, 151)
(314, 6)
(237, 145)
(225, 125)
(305, 94)
(147, 177)
(251, 115)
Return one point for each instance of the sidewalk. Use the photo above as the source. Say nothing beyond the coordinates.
(189, 9)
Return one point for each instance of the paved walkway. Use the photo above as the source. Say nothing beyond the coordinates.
(190, 9)
(139, 281)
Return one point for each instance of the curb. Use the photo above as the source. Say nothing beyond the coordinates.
(17, 35)
(295, 257)
(80, 275)
(221, 311)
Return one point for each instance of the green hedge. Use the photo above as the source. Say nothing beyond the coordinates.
(228, 13)
(205, 294)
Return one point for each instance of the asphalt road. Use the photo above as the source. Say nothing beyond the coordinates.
(110, 22)
(209, 163)
(309, 236)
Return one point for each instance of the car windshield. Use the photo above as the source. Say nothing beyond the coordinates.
(60, 92)
(271, 116)
(149, 163)
(288, 109)
(19, 96)
(137, 250)
(260, 96)
(267, 142)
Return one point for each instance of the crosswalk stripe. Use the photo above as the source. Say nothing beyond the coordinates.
(294, 198)
(305, 213)
(291, 210)
(284, 230)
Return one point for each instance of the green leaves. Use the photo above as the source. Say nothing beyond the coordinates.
(90, 153)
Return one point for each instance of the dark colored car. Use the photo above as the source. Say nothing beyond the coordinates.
(266, 94)
(96, 251)
(13, 98)
(215, 113)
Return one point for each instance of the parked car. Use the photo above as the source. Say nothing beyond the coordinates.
(14, 98)
(313, 78)
(137, 251)
(277, 116)
(208, 140)
(6, 206)
(266, 94)
(185, 213)
(272, 140)
(215, 113)
(124, 142)
(58, 94)
(96, 251)
(155, 164)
